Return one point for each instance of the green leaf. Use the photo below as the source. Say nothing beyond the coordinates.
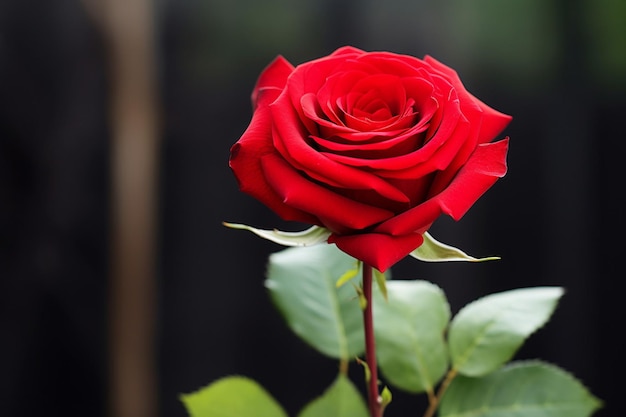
(487, 332)
(521, 389)
(308, 237)
(302, 284)
(341, 399)
(434, 251)
(233, 396)
(409, 331)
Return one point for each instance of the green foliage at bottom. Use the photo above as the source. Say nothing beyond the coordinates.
(238, 396)
(521, 389)
(341, 399)
(233, 396)
(417, 344)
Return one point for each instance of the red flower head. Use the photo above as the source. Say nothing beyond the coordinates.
(373, 146)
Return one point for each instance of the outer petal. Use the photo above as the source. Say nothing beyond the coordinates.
(493, 122)
(473, 114)
(305, 195)
(347, 50)
(274, 77)
(378, 250)
(482, 170)
(484, 167)
(245, 161)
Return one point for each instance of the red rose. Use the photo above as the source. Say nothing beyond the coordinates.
(373, 146)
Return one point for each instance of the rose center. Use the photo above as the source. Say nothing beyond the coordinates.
(376, 110)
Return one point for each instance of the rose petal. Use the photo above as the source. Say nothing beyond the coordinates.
(274, 76)
(246, 165)
(337, 85)
(493, 122)
(378, 250)
(415, 188)
(415, 220)
(382, 88)
(395, 146)
(390, 63)
(312, 110)
(309, 78)
(347, 50)
(468, 146)
(389, 129)
(291, 142)
(303, 194)
(480, 172)
(331, 118)
(444, 139)
(440, 160)
(483, 168)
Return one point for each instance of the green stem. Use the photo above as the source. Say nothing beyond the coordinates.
(343, 367)
(370, 343)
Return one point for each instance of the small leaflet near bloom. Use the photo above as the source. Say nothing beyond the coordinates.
(434, 251)
(349, 274)
(361, 296)
(381, 280)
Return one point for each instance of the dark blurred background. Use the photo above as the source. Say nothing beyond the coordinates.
(557, 218)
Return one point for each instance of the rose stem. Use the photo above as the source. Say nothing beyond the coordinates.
(370, 343)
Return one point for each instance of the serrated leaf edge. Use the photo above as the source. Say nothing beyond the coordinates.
(597, 403)
(491, 322)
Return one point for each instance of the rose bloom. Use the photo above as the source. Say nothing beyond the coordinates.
(373, 146)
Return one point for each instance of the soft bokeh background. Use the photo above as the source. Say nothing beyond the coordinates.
(558, 66)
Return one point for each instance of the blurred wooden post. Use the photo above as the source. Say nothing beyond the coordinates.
(128, 27)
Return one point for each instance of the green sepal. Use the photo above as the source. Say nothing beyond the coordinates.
(487, 332)
(311, 236)
(431, 250)
(521, 389)
(233, 396)
(341, 399)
